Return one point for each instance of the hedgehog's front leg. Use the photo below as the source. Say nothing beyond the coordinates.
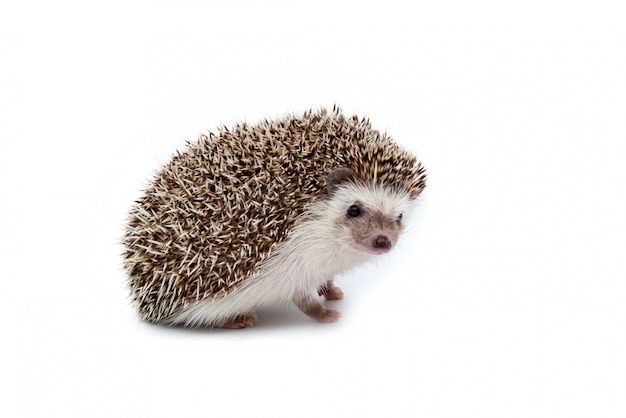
(329, 291)
(311, 307)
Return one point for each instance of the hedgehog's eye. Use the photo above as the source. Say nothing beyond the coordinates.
(400, 217)
(399, 220)
(354, 211)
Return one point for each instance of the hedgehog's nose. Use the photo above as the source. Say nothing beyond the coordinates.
(382, 242)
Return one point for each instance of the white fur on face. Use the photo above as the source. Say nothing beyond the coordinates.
(382, 212)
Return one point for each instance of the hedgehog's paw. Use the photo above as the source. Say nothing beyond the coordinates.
(329, 315)
(330, 292)
(312, 308)
(335, 294)
(248, 320)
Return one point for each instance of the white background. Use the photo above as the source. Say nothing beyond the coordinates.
(507, 298)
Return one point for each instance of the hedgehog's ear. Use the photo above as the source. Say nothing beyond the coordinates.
(336, 177)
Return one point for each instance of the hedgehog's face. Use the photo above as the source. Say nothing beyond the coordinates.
(368, 217)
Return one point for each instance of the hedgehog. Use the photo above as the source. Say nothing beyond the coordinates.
(266, 214)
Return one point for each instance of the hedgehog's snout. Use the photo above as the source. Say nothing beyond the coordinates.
(382, 241)
(381, 244)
